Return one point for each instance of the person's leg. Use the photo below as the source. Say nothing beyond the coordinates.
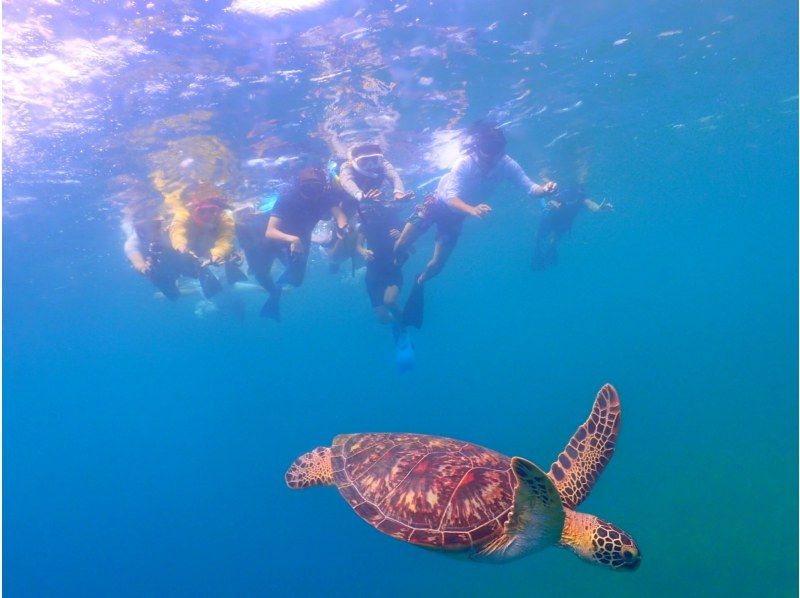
(342, 250)
(165, 280)
(261, 264)
(390, 307)
(262, 270)
(375, 288)
(408, 236)
(442, 249)
(295, 270)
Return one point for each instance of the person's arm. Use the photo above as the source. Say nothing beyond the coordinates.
(453, 190)
(478, 211)
(347, 181)
(394, 177)
(275, 233)
(361, 247)
(593, 206)
(339, 216)
(133, 249)
(225, 235)
(516, 174)
(178, 230)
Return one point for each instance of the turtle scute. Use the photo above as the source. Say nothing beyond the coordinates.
(427, 490)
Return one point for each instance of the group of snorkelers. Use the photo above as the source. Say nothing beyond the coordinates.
(194, 228)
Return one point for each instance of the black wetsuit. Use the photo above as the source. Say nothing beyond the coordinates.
(259, 251)
(166, 264)
(378, 219)
(299, 216)
(554, 224)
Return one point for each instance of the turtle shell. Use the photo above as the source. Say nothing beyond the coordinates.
(427, 490)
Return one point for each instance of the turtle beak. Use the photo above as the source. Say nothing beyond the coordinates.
(632, 558)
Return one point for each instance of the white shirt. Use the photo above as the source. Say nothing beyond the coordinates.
(467, 181)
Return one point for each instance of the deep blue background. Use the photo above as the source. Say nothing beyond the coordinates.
(144, 447)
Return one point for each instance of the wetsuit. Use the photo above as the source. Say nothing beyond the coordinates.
(298, 217)
(259, 251)
(150, 240)
(378, 219)
(554, 224)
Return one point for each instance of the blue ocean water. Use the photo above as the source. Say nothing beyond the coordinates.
(145, 441)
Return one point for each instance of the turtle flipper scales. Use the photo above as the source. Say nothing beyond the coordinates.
(577, 468)
(311, 469)
(536, 519)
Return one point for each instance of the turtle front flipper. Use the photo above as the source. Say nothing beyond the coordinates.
(311, 469)
(577, 468)
(536, 519)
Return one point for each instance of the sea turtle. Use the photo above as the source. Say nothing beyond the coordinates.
(458, 497)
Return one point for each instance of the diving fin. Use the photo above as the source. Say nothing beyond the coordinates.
(272, 307)
(208, 282)
(415, 305)
(234, 274)
(404, 351)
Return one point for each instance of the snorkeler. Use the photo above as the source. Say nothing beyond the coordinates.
(363, 177)
(483, 165)
(203, 227)
(379, 228)
(285, 234)
(365, 173)
(557, 219)
(148, 248)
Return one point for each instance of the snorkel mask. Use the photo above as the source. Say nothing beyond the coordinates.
(367, 159)
(206, 214)
(311, 183)
(206, 204)
(486, 142)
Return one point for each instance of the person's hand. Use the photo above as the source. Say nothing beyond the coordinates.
(216, 261)
(296, 246)
(372, 195)
(552, 205)
(548, 188)
(403, 196)
(599, 207)
(480, 210)
(142, 266)
(367, 254)
(394, 233)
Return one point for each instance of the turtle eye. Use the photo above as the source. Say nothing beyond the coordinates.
(628, 556)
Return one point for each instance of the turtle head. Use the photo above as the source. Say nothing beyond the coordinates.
(600, 542)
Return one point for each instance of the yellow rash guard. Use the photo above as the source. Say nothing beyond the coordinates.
(184, 234)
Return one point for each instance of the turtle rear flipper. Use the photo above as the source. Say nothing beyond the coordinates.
(311, 469)
(591, 447)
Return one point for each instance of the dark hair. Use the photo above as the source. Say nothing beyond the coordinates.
(311, 174)
(485, 136)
